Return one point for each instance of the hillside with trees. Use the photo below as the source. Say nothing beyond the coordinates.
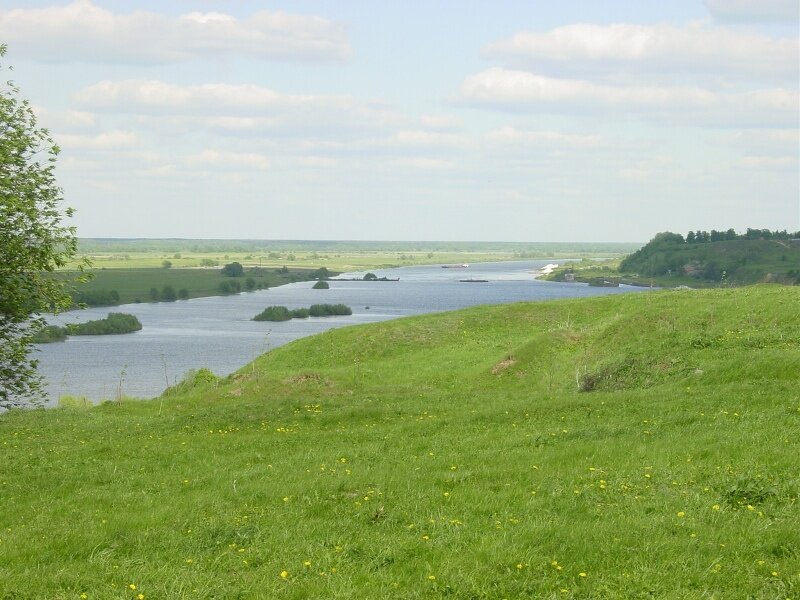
(758, 255)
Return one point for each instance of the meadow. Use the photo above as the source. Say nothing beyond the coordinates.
(134, 284)
(335, 255)
(626, 446)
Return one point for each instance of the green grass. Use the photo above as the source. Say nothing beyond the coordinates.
(133, 285)
(442, 456)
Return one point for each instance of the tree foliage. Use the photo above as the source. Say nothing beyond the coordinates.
(33, 242)
(233, 269)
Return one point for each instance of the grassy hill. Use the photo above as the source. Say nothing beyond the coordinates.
(628, 446)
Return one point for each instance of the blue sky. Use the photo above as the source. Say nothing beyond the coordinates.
(524, 121)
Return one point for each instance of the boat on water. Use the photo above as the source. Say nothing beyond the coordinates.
(471, 280)
(461, 266)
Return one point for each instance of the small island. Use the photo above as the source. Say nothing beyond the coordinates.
(281, 313)
(113, 324)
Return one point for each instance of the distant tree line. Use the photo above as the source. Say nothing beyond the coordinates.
(702, 237)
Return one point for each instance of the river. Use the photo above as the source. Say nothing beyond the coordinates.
(217, 332)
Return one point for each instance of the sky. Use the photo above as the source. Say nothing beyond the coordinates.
(475, 120)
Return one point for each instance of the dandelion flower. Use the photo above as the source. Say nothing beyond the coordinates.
(284, 574)
(681, 513)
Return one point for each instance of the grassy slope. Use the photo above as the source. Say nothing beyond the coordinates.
(414, 459)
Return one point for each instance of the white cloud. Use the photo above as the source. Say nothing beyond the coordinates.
(425, 163)
(240, 107)
(769, 162)
(106, 141)
(441, 122)
(521, 91)
(513, 136)
(215, 159)
(425, 139)
(317, 161)
(67, 121)
(585, 46)
(247, 111)
(755, 10)
(83, 31)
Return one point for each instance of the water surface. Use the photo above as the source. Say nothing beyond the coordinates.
(217, 332)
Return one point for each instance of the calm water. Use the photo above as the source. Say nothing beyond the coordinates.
(217, 332)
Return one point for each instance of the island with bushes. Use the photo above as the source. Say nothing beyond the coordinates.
(281, 313)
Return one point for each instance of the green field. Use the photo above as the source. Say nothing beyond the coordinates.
(628, 446)
(335, 255)
(133, 285)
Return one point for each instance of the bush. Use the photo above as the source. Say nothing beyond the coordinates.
(153, 294)
(274, 313)
(168, 294)
(114, 323)
(250, 284)
(321, 285)
(183, 294)
(96, 297)
(329, 310)
(230, 287)
(193, 378)
(50, 334)
(370, 277)
(321, 273)
(233, 269)
(167, 264)
(281, 313)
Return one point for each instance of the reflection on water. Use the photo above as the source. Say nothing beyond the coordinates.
(217, 332)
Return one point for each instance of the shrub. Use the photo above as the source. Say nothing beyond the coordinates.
(168, 294)
(370, 277)
(114, 323)
(300, 313)
(321, 285)
(233, 269)
(193, 378)
(183, 294)
(51, 333)
(329, 310)
(274, 313)
(167, 264)
(230, 287)
(96, 297)
(250, 284)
